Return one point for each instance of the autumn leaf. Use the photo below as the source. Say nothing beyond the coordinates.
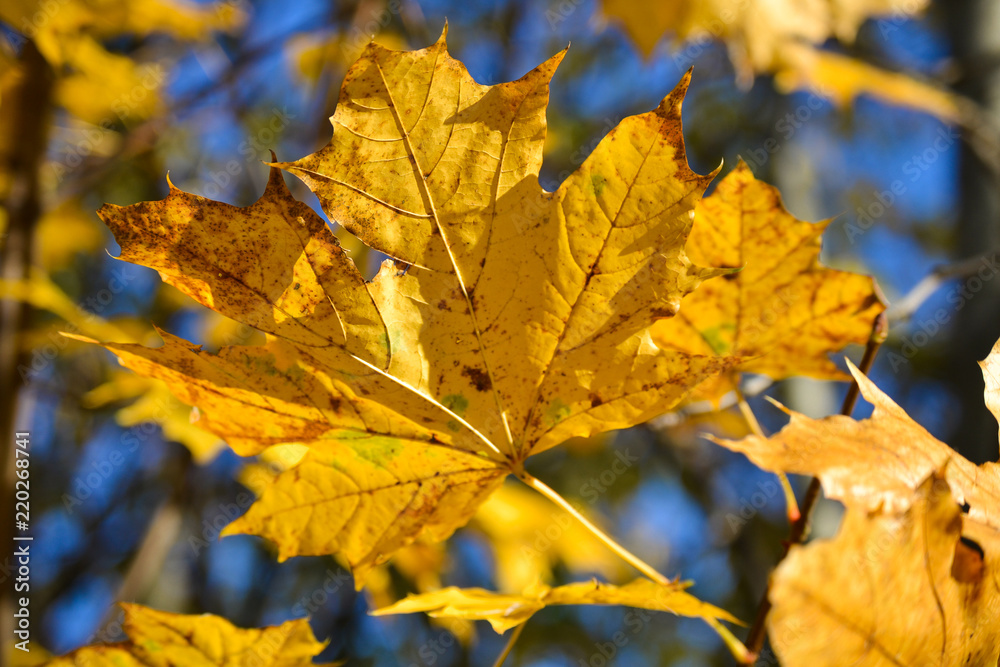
(511, 320)
(92, 82)
(940, 539)
(505, 611)
(877, 462)
(756, 32)
(161, 638)
(904, 588)
(842, 79)
(784, 312)
(152, 402)
(784, 38)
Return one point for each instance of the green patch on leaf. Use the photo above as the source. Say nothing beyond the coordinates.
(597, 181)
(379, 451)
(556, 412)
(715, 340)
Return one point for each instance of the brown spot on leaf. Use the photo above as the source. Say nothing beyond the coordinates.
(480, 379)
(968, 565)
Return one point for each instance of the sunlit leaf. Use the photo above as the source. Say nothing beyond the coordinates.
(783, 312)
(162, 639)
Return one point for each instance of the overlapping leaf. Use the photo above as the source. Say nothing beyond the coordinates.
(519, 319)
(937, 544)
(505, 611)
(878, 462)
(160, 638)
(910, 588)
(784, 312)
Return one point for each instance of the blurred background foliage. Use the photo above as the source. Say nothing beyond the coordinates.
(879, 113)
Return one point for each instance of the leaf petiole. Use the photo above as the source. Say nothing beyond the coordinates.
(510, 644)
(791, 505)
(735, 646)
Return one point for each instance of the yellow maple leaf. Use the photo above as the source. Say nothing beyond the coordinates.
(941, 542)
(162, 639)
(508, 320)
(523, 320)
(842, 79)
(908, 588)
(505, 611)
(784, 311)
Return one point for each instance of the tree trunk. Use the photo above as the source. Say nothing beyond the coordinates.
(974, 26)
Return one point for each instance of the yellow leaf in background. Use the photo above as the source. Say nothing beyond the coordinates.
(92, 83)
(842, 79)
(64, 231)
(782, 37)
(39, 291)
(521, 321)
(756, 31)
(530, 536)
(18, 658)
(784, 312)
(507, 611)
(891, 589)
(162, 639)
(314, 54)
(154, 403)
(128, 90)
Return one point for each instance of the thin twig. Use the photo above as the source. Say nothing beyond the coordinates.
(904, 308)
(800, 529)
(510, 644)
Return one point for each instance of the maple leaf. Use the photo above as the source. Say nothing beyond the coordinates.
(505, 611)
(943, 540)
(161, 638)
(784, 311)
(520, 318)
(904, 588)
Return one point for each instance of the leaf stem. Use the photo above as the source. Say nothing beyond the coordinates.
(732, 643)
(510, 644)
(621, 551)
(791, 505)
(800, 529)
